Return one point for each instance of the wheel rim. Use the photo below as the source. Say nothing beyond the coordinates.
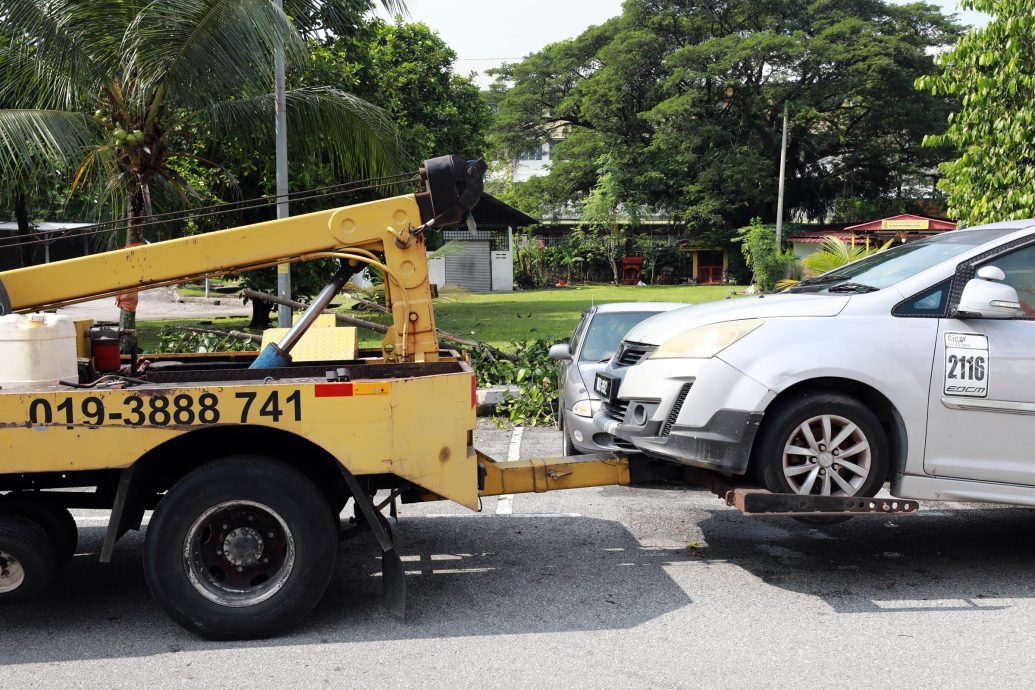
(827, 455)
(12, 573)
(239, 553)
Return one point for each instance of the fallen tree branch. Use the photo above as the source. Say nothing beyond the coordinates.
(239, 335)
(370, 325)
(368, 304)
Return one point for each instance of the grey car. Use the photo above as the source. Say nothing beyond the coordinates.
(915, 365)
(597, 336)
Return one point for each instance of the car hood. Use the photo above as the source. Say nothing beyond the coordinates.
(658, 329)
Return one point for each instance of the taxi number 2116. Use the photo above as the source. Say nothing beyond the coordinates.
(182, 409)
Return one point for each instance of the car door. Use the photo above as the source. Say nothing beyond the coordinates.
(982, 397)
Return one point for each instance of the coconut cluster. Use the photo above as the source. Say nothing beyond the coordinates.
(121, 136)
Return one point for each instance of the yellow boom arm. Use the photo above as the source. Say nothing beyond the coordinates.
(351, 233)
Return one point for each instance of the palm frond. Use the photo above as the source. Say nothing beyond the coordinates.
(339, 17)
(205, 50)
(42, 142)
(51, 53)
(358, 137)
(834, 253)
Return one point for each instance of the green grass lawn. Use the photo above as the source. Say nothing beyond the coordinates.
(501, 318)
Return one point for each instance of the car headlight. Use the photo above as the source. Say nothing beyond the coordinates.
(585, 408)
(705, 341)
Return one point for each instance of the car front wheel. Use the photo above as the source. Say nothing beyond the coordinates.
(823, 444)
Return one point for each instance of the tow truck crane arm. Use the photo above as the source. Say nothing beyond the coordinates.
(392, 227)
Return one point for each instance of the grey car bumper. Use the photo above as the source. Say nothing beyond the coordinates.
(723, 444)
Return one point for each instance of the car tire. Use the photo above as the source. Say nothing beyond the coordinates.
(837, 447)
(55, 520)
(568, 448)
(27, 562)
(240, 548)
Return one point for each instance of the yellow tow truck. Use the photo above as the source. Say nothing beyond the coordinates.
(248, 464)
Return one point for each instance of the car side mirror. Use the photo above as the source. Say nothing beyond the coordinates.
(987, 297)
(561, 351)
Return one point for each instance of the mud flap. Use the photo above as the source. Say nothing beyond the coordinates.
(392, 575)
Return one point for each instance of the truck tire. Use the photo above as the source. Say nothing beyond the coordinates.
(823, 443)
(241, 548)
(27, 563)
(55, 520)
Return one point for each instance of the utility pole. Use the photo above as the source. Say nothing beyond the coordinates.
(283, 270)
(783, 172)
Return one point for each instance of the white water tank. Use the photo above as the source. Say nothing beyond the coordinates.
(37, 350)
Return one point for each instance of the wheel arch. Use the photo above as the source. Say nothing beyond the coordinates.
(162, 466)
(889, 416)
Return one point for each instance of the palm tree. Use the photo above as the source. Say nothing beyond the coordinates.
(832, 254)
(113, 93)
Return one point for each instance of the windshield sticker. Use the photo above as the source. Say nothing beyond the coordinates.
(967, 365)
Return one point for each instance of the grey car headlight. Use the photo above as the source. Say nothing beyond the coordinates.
(705, 341)
(585, 408)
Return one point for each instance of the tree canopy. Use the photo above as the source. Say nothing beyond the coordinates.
(991, 71)
(684, 99)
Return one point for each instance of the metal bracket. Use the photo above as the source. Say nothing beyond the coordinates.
(126, 514)
(392, 575)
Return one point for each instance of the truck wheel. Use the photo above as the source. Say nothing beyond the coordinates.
(55, 520)
(823, 444)
(27, 564)
(240, 548)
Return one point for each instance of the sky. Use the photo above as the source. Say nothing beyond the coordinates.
(486, 32)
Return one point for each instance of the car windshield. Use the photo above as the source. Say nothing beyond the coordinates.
(606, 332)
(891, 266)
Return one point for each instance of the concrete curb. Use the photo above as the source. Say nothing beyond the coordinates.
(489, 398)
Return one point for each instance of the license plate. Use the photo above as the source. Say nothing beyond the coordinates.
(604, 386)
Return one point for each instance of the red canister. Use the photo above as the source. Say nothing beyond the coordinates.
(107, 354)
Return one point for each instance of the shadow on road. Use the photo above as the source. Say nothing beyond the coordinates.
(465, 576)
(939, 560)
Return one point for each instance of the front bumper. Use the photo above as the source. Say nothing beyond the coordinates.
(588, 438)
(699, 412)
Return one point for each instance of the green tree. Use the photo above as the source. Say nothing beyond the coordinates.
(111, 92)
(404, 68)
(686, 99)
(608, 214)
(990, 73)
(768, 264)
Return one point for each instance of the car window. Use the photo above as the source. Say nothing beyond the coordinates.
(605, 333)
(894, 265)
(930, 302)
(576, 337)
(1019, 267)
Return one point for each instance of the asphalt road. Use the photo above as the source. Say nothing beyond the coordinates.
(159, 303)
(614, 587)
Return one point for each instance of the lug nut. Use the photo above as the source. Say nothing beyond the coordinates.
(837, 452)
(822, 447)
(822, 471)
(837, 467)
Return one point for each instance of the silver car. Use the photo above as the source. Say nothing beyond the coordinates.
(914, 365)
(594, 341)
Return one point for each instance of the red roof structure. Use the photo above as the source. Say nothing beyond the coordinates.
(904, 227)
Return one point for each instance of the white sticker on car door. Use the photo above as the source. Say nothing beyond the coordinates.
(966, 365)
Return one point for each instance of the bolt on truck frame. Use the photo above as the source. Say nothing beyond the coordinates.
(247, 465)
